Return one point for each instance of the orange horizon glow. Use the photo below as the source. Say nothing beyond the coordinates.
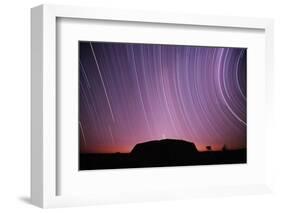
(126, 150)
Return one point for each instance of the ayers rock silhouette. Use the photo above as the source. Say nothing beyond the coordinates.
(169, 150)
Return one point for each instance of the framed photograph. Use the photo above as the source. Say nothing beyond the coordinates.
(136, 105)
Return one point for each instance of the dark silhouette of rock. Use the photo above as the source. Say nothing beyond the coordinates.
(167, 150)
(159, 153)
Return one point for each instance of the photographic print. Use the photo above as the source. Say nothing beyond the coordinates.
(155, 105)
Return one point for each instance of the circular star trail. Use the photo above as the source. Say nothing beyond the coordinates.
(132, 93)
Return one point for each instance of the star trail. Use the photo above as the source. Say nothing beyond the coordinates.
(132, 93)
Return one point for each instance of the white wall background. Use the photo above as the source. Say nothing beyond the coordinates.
(15, 104)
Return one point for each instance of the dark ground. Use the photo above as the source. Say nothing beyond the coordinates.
(146, 156)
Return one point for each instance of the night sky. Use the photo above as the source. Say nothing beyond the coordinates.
(132, 93)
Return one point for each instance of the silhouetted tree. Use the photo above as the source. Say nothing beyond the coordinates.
(209, 148)
(224, 148)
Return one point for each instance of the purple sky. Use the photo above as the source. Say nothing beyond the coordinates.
(132, 93)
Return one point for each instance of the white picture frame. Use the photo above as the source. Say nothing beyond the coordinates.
(45, 153)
